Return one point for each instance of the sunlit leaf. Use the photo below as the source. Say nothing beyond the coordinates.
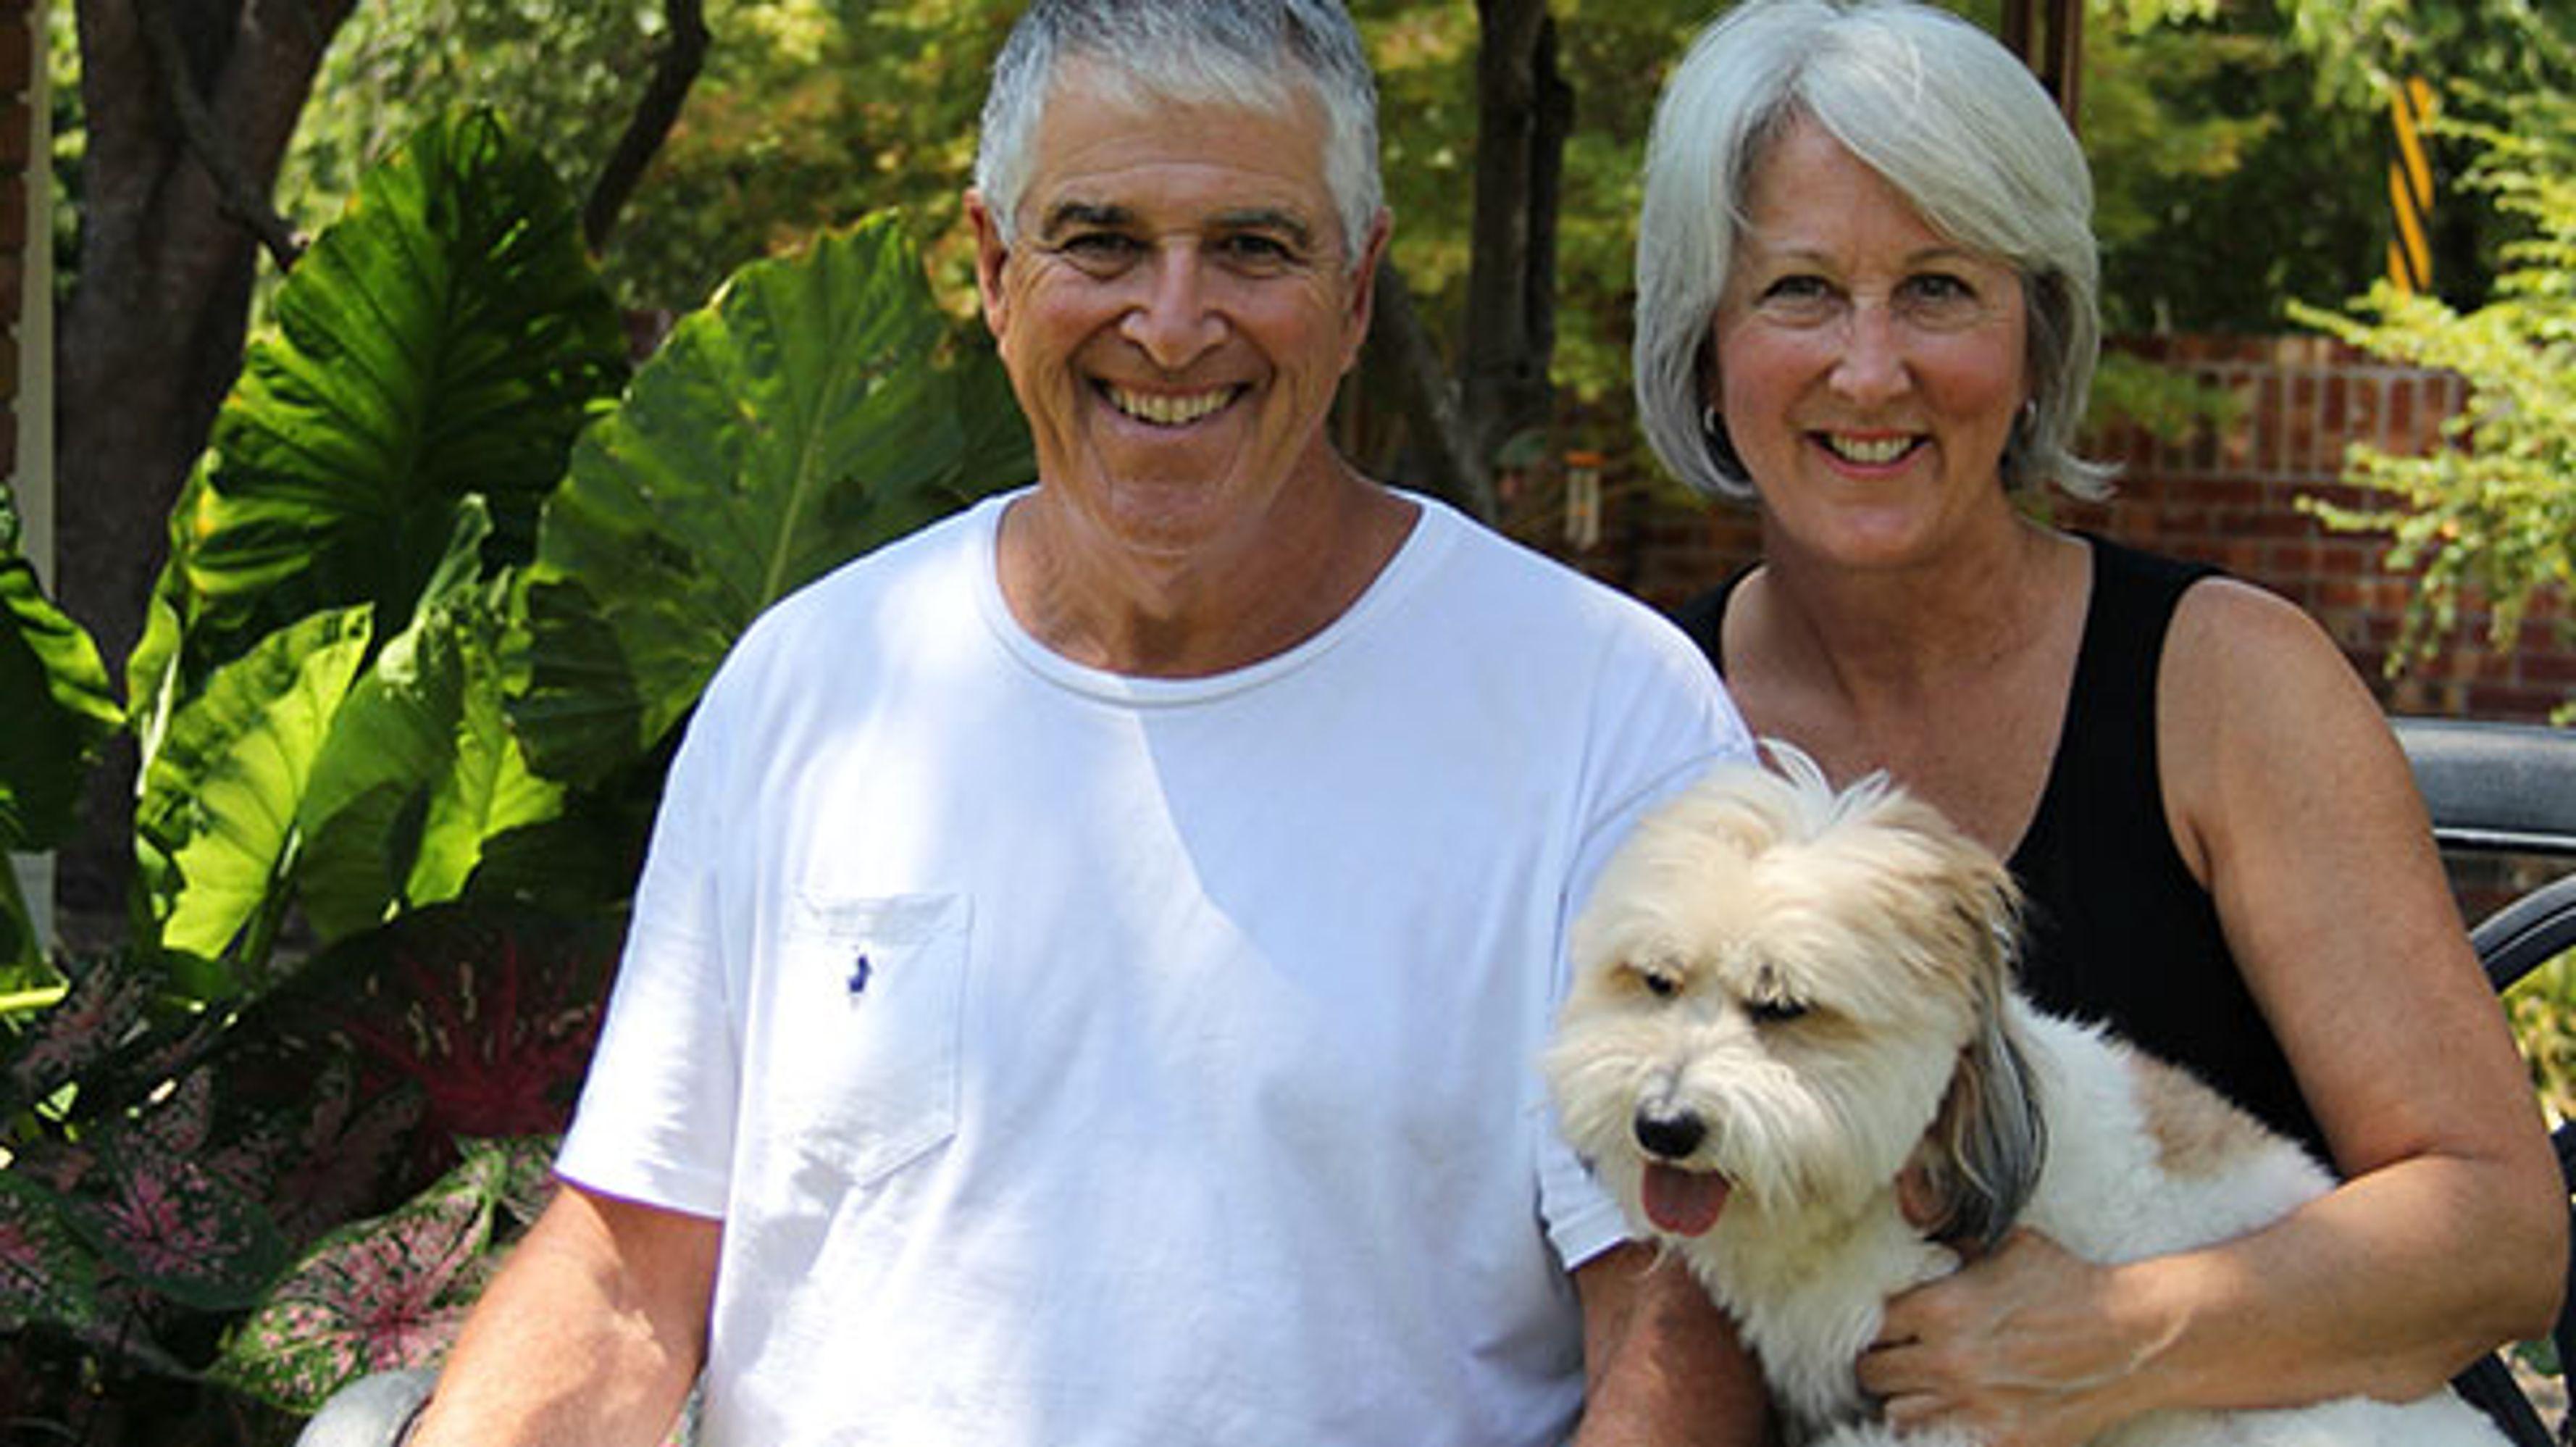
(376, 1295)
(444, 340)
(220, 798)
(421, 767)
(820, 406)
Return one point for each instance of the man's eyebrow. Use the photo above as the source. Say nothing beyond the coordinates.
(1074, 215)
(1067, 216)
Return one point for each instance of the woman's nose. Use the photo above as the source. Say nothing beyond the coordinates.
(1871, 365)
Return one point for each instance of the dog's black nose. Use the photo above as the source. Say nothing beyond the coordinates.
(1669, 1134)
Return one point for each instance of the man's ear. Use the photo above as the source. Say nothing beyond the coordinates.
(1364, 282)
(991, 253)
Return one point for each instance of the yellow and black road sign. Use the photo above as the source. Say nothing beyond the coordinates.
(2410, 190)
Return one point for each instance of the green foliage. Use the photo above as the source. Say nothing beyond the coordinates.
(802, 415)
(566, 73)
(2198, 134)
(2363, 47)
(811, 113)
(70, 132)
(808, 114)
(421, 769)
(2542, 1006)
(216, 824)
(442, 342)
(68, 710)
(388, 1293)
(336, 972)
(2489, 515)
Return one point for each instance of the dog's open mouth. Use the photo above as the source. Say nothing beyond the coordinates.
(1686, 1203)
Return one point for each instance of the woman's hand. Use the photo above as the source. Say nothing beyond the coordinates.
(2020, 1349)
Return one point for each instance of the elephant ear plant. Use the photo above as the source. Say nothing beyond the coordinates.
(441, 593)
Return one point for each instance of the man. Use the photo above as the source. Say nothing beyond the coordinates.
(1087, 978)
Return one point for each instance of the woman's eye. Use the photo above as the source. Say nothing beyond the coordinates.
(1940, 301)
(1799, 300)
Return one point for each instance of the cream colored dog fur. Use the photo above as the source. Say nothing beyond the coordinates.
(1786, 996)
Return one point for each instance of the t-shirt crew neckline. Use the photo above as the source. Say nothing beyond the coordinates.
(1427, 539)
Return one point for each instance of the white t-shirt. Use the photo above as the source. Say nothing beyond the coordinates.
(1080, 1059)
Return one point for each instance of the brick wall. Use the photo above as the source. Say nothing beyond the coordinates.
(2228, 496)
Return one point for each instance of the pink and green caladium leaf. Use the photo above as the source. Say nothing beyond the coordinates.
(46, 1275)
(174, 1224)
(379, 1295)
(101, 1010)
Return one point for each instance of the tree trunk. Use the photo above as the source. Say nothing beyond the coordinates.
(1524, 111)
(152, 337)
(1421, 405)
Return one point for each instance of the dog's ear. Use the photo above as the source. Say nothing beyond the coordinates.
(1981, 1159)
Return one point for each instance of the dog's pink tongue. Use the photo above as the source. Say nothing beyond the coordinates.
(1685, 1203)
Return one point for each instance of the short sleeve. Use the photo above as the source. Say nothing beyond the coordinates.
(655, 1121)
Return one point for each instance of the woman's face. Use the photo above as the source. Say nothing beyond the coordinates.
(1868, 368)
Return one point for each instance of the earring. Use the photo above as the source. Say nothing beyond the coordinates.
(1721, 448)
(2017, 440)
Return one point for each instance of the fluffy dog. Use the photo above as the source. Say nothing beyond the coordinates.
(1787, 997)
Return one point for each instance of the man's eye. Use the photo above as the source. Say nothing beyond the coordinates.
(1099, 250)
(1255, 252)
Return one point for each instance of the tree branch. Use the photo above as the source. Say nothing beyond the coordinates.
(655, 114)
(243, 201)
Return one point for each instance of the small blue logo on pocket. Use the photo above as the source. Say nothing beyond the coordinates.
(860, 970)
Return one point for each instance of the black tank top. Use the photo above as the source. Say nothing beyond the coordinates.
(2119, 931)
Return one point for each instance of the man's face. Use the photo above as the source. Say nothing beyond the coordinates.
(1176, 313)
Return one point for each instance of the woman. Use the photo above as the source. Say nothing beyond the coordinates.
(1866, 305)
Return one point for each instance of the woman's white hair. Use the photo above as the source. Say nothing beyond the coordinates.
(1247, 53)
(1940, 110)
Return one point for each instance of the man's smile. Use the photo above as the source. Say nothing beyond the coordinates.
(1169, 409)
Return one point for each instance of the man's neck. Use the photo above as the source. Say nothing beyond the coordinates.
(1153, 614)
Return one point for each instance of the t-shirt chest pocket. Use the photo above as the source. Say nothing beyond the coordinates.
(869, 1027)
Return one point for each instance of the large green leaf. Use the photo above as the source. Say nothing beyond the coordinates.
(446, 338)
(216, 824)
(60, 707)
(819, 406)
(420, 767)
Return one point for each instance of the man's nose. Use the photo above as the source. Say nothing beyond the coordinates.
(1176, 320)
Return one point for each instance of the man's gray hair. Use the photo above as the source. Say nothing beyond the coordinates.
(1246, 53)
(1940, 110)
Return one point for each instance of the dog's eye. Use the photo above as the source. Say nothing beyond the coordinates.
(1778, 1011)
(1661, 984)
